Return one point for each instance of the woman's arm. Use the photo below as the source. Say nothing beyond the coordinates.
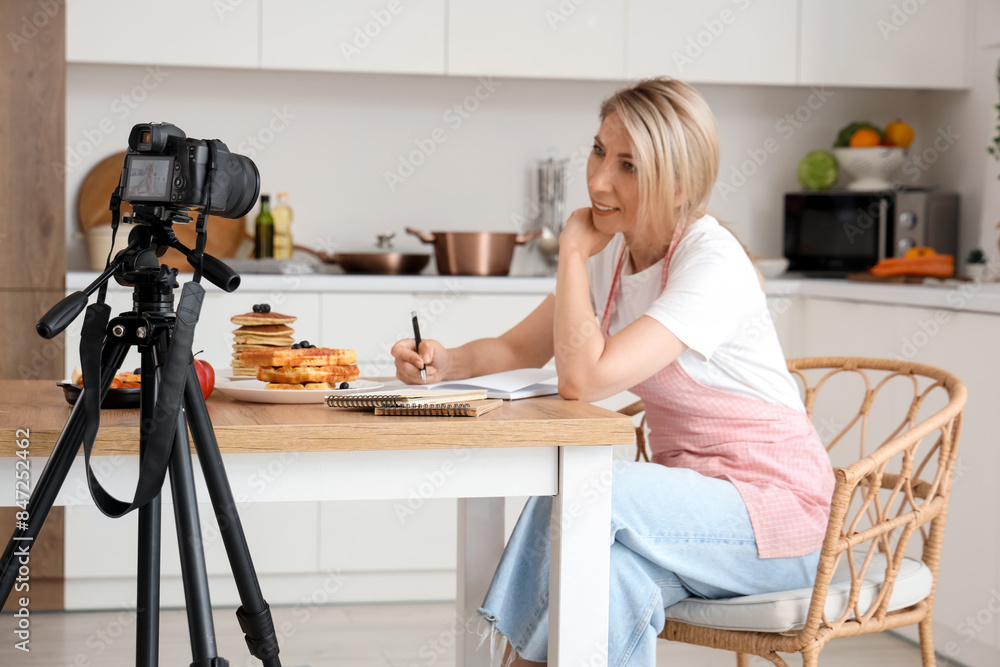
(589, 367)
(527, 345)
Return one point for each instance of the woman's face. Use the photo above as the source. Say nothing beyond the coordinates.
(611, 178)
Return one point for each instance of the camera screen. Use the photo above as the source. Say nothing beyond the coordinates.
(148, 178)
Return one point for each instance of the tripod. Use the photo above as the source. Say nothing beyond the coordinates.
(154, 328)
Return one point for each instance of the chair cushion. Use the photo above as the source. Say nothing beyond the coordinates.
(785, 611)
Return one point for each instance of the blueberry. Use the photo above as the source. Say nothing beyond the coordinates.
(304, 343)
(265, 308)
(296, 346)
(344, 385)
(256, 308)
(137, 371)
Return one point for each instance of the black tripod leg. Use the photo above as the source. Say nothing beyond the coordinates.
(199, 606)
(254, 615)
(53, 476)
(147, 632)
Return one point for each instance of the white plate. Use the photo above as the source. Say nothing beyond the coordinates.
(252, 390)
(229, 374)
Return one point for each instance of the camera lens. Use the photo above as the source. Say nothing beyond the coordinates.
(237, 176)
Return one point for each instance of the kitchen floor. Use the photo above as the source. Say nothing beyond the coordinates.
(408, 635)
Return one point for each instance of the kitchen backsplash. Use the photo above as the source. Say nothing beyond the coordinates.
(361, 154)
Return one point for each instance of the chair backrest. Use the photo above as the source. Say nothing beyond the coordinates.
(898, 484)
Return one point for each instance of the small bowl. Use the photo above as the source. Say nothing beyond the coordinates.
(114, 399)
(870, 167)
(772, 267)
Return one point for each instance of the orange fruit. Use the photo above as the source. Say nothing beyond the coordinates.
(919, 251)
(865, 138)
(899, 133)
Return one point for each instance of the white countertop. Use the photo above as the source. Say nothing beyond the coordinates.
(967, 296)
(330, 282)
(948, 295)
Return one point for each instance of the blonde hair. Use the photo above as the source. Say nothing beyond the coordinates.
(675, 144)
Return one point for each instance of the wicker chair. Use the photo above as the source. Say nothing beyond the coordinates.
(866, 581)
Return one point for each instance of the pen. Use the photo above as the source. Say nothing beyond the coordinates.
(416, 344)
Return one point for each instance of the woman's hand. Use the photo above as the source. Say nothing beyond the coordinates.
(434, 357)
(579, 235)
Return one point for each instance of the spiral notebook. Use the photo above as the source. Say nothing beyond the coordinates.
(470, 409)
(404, 397)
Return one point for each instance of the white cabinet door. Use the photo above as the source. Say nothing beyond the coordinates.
(193, 33)
(970, 558)
(365, 36)
(885, 43)
(372, 323)
(569, 39)
(214, 333)
(713, 41)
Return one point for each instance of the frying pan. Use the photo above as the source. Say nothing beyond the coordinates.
(386, 263)
(224, 234)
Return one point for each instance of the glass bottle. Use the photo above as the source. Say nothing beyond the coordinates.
(282, 215)
(264, 238)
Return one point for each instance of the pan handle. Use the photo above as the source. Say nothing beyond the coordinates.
(318, 254)
(524, 238)
(426, 237)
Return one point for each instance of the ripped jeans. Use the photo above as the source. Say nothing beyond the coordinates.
(674, 533)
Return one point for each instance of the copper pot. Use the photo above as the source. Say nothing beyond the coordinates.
(385, 263)
(473, 253)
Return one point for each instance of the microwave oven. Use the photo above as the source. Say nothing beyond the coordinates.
(835, 233)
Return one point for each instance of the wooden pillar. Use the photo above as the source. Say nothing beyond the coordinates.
(32, 188)
(32, 232)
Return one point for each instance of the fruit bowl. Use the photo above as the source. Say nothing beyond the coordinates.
(870, 167)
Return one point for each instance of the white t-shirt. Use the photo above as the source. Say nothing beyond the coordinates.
(712, 302)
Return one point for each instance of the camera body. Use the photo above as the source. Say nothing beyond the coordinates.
(165, 168)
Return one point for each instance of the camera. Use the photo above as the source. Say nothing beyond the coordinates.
(164, 168)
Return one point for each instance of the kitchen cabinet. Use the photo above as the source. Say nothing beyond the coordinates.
(100, 577)
(525, 38)
(191, 33)
(412, 553)
(719, 41)
(952, 340)
(869, 43)
(368, 36)
(885, 43)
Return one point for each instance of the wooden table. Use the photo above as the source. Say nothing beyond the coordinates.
(526, 447)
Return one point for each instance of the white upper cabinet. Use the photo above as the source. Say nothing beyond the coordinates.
(713, 41)
(570, 39)
(195, 33)
(359, 36)
(885, 43)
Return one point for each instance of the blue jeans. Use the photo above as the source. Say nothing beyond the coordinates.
(674, 533)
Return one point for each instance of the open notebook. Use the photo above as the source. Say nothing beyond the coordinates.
(520, 383)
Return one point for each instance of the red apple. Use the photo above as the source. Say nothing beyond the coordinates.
(206, 376)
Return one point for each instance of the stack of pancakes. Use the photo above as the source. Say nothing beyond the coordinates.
(303, 368)
(259, 331)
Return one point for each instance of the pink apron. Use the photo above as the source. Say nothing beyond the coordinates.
(770, 453)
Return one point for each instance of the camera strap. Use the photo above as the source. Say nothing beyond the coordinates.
(200, 224)
(163, 426)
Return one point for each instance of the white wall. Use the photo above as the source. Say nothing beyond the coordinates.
(339, 134)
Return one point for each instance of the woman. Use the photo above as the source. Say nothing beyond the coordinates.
(654, 296)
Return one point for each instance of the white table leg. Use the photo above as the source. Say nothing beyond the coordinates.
(580, 558)
(480, 545)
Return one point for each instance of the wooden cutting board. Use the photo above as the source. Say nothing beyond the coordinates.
(224, 235)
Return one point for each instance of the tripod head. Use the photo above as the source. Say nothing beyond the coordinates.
(138, 266)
